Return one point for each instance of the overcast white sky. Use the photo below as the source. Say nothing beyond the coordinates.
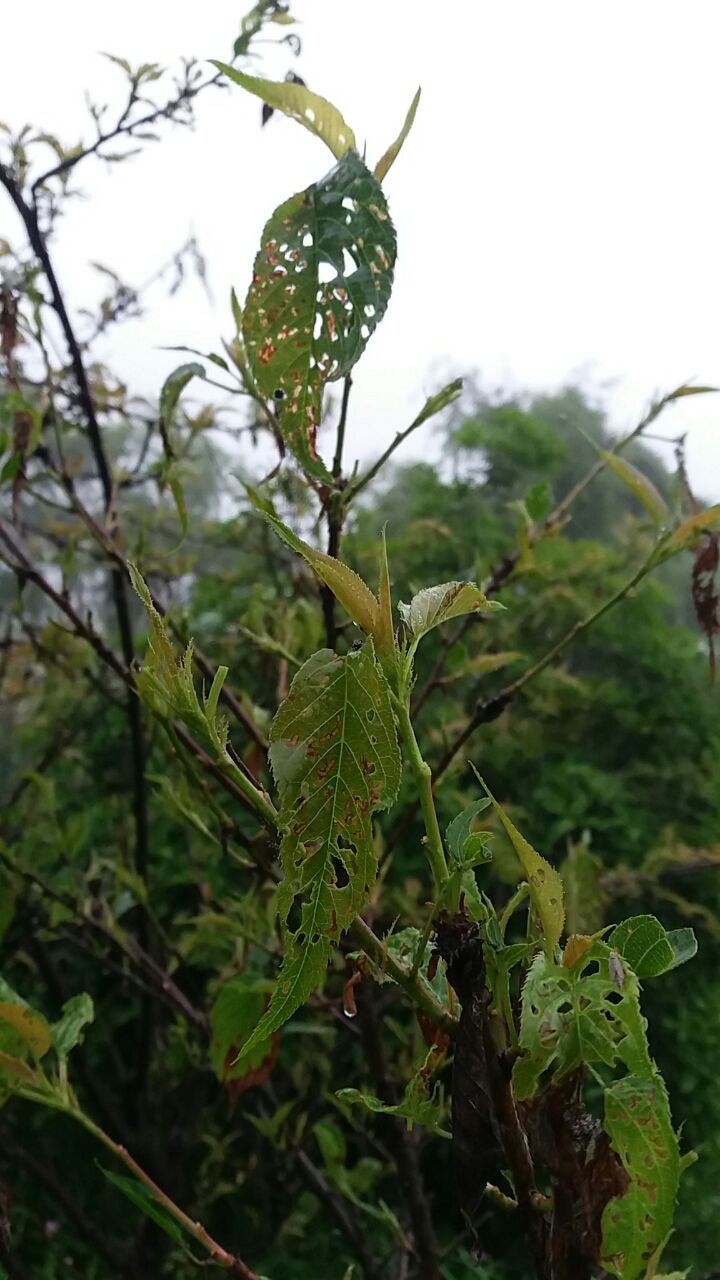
(557, 204)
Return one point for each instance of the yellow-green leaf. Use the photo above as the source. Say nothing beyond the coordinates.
(546, 887)
(295, 100)
(687, 532)
(32, 1028)
(435, 605)
(639, 484)
(348, 588)
(388, 159)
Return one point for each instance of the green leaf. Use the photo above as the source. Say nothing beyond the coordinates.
(295, 100)
(475, 850)
(638, 484)
(173, 387)
(11, 467)
(684, 945)
(574, 1015)
(537, 501)
(637, 1120)
(642, 941)
(459, 829)
(78, 1012)
(388, 159)
(143, 1199)
(331, 1142)
(434, 605)
(435, 404)
(321, 284)
(335, 758)
(417, 1105)
(648, 949)
(581, 873)
(689, 391)
(349, 589)
(238, 1007)
(166, 682)
(546, 887)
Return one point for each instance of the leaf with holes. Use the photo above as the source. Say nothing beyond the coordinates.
(546, 887)
(296, 100)
(417, 1106)
(335, 758)
(637, 1120)
(575, 1014)
(321, 284)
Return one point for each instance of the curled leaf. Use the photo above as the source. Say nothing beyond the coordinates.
(295, 100)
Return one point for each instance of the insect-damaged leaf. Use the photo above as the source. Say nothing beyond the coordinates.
(321, 284)
(418, 1105)
(546, 887)
(637, 1119)
(347, 587)
(336, 761)
(637, 483)
(389, 157)
(435, 605)
(295, 100)
(575, 1014)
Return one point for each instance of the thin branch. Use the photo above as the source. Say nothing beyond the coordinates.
(506, 567)
(342, 423)
(489, 709)
(221, 1256)
(29, 218)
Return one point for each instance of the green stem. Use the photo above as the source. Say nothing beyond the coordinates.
(520, 893)
(423, 778)
(418, 993)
